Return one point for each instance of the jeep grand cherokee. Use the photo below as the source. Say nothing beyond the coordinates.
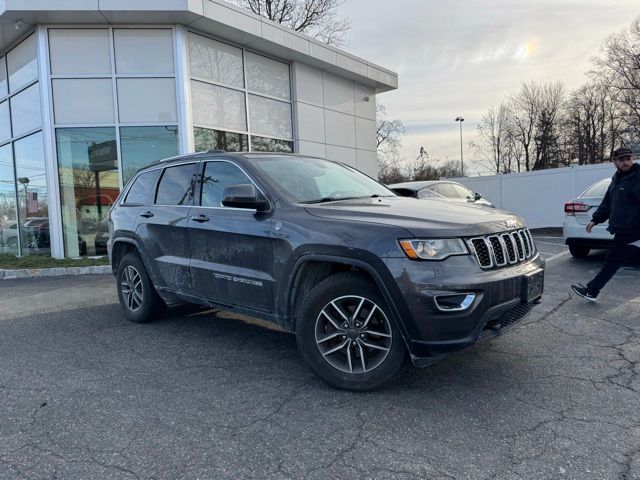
(363, 277)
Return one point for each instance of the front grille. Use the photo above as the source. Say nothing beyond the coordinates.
(495, 251)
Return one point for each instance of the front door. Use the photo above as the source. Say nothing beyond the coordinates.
(162, 227)
(231, 250)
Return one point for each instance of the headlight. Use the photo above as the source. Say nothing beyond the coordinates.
(433, 249)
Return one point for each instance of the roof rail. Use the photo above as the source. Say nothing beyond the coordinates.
(216, 151)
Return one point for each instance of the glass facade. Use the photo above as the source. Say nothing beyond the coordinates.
(24, 208)
(141, 146)
(241, 101)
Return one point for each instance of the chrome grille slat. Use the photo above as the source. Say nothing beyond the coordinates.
(502, 249)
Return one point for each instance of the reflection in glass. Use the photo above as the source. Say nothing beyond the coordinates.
(270, 117)
(3, 78)
(25, 110)
(262, 144)
(22, 64)
(267, 76)
(72, 95)
(207, 139)
(5, 126)
(144, 145)
(88, 171)
(147, 100)
(218, 106)
(33, 208)
(215, 61)
(8, 211)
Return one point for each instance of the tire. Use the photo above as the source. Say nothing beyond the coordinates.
(579, 252)
(319, 337)
(138, 298)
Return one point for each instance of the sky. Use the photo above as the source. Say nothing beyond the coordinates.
(460, 57)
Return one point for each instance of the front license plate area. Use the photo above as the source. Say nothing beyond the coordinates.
(532, 286)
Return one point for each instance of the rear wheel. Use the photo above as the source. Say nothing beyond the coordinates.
(579, 252)
(345, 333)
(138, 299)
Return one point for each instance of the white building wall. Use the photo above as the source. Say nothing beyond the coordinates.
(538, 197)
(334, 118)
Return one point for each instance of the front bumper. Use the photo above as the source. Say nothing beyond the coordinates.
(502, 299)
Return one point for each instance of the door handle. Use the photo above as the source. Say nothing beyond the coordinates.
(146, 214)
(200, 218)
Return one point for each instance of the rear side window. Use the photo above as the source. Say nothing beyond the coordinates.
(462, 192)
(140, 191)
(176, 185)
(597, 189)
(446, 190)
(218, 175)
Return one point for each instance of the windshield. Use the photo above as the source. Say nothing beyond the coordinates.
(313, 180)
(597, 189)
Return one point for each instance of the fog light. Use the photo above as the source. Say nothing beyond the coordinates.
(454, 303)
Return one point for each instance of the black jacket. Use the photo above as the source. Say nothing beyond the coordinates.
(621, 204)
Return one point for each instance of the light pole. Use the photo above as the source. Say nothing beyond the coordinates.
(460, 119)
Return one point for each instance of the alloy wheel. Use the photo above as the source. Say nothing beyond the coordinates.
(131, 286)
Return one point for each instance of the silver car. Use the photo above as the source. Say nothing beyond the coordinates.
(441, 189)
(577, 215)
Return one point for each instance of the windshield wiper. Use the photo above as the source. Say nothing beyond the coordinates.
(331, 199)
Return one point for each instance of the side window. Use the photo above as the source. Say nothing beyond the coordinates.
(218, 175)
(462, 192)
(446, 190)
(140, 191)
(176, 185)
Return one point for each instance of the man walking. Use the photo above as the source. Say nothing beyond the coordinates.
(621, 206)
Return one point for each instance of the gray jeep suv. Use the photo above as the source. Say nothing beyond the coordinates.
(363, 277)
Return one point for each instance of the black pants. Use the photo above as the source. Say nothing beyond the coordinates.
(619, 255)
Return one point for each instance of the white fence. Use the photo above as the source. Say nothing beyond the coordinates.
(539, 196)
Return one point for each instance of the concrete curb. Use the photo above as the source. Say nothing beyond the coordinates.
(54, 272)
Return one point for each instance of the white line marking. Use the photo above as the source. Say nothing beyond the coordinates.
(552, 243)
(557, 256)
(545, 253)
(542, 236)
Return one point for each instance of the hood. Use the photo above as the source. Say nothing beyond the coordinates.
(422, 218)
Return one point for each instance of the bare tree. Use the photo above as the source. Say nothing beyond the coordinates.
(388, 142)
(491, 138)
(547, 129)
(524, 109)
(619, 69)
(316, 18)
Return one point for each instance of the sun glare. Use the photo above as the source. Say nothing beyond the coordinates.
(523, 52)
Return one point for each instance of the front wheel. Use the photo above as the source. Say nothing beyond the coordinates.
(579, 252)
(138, 298)
(346, 335)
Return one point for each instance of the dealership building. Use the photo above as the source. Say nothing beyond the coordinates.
(92, 90)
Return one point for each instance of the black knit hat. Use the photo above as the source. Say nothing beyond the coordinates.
(622, 152)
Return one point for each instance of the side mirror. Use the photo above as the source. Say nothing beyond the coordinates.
(243, 196)
(477, 196)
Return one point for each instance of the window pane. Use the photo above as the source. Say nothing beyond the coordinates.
(79, 51)
(32, 195)
(8, 211)
(3, 78)
(5, 124)
(206, 139)
(147, 100)
(218, 175)
(88, 171)
(141, 146)
(25, 110)
(218, 106)
(446, 190)
(215, 61)
(143, 50)
(142, 189)
(262, 144)
(176, 185)
(270, 117)
(598, 189)
(72, 98)
(22, 64)
(267, 76)
(462, 192)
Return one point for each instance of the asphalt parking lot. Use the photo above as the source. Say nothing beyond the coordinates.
(84, 394)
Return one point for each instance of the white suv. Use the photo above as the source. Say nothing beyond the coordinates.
(578, 213)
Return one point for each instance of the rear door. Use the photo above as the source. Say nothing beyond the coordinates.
(162, 227)
(231, 249)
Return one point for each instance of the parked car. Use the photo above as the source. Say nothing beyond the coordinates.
(577, 215)
(102, 237)
(364, 277)
(443, 189)
(9, 235)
